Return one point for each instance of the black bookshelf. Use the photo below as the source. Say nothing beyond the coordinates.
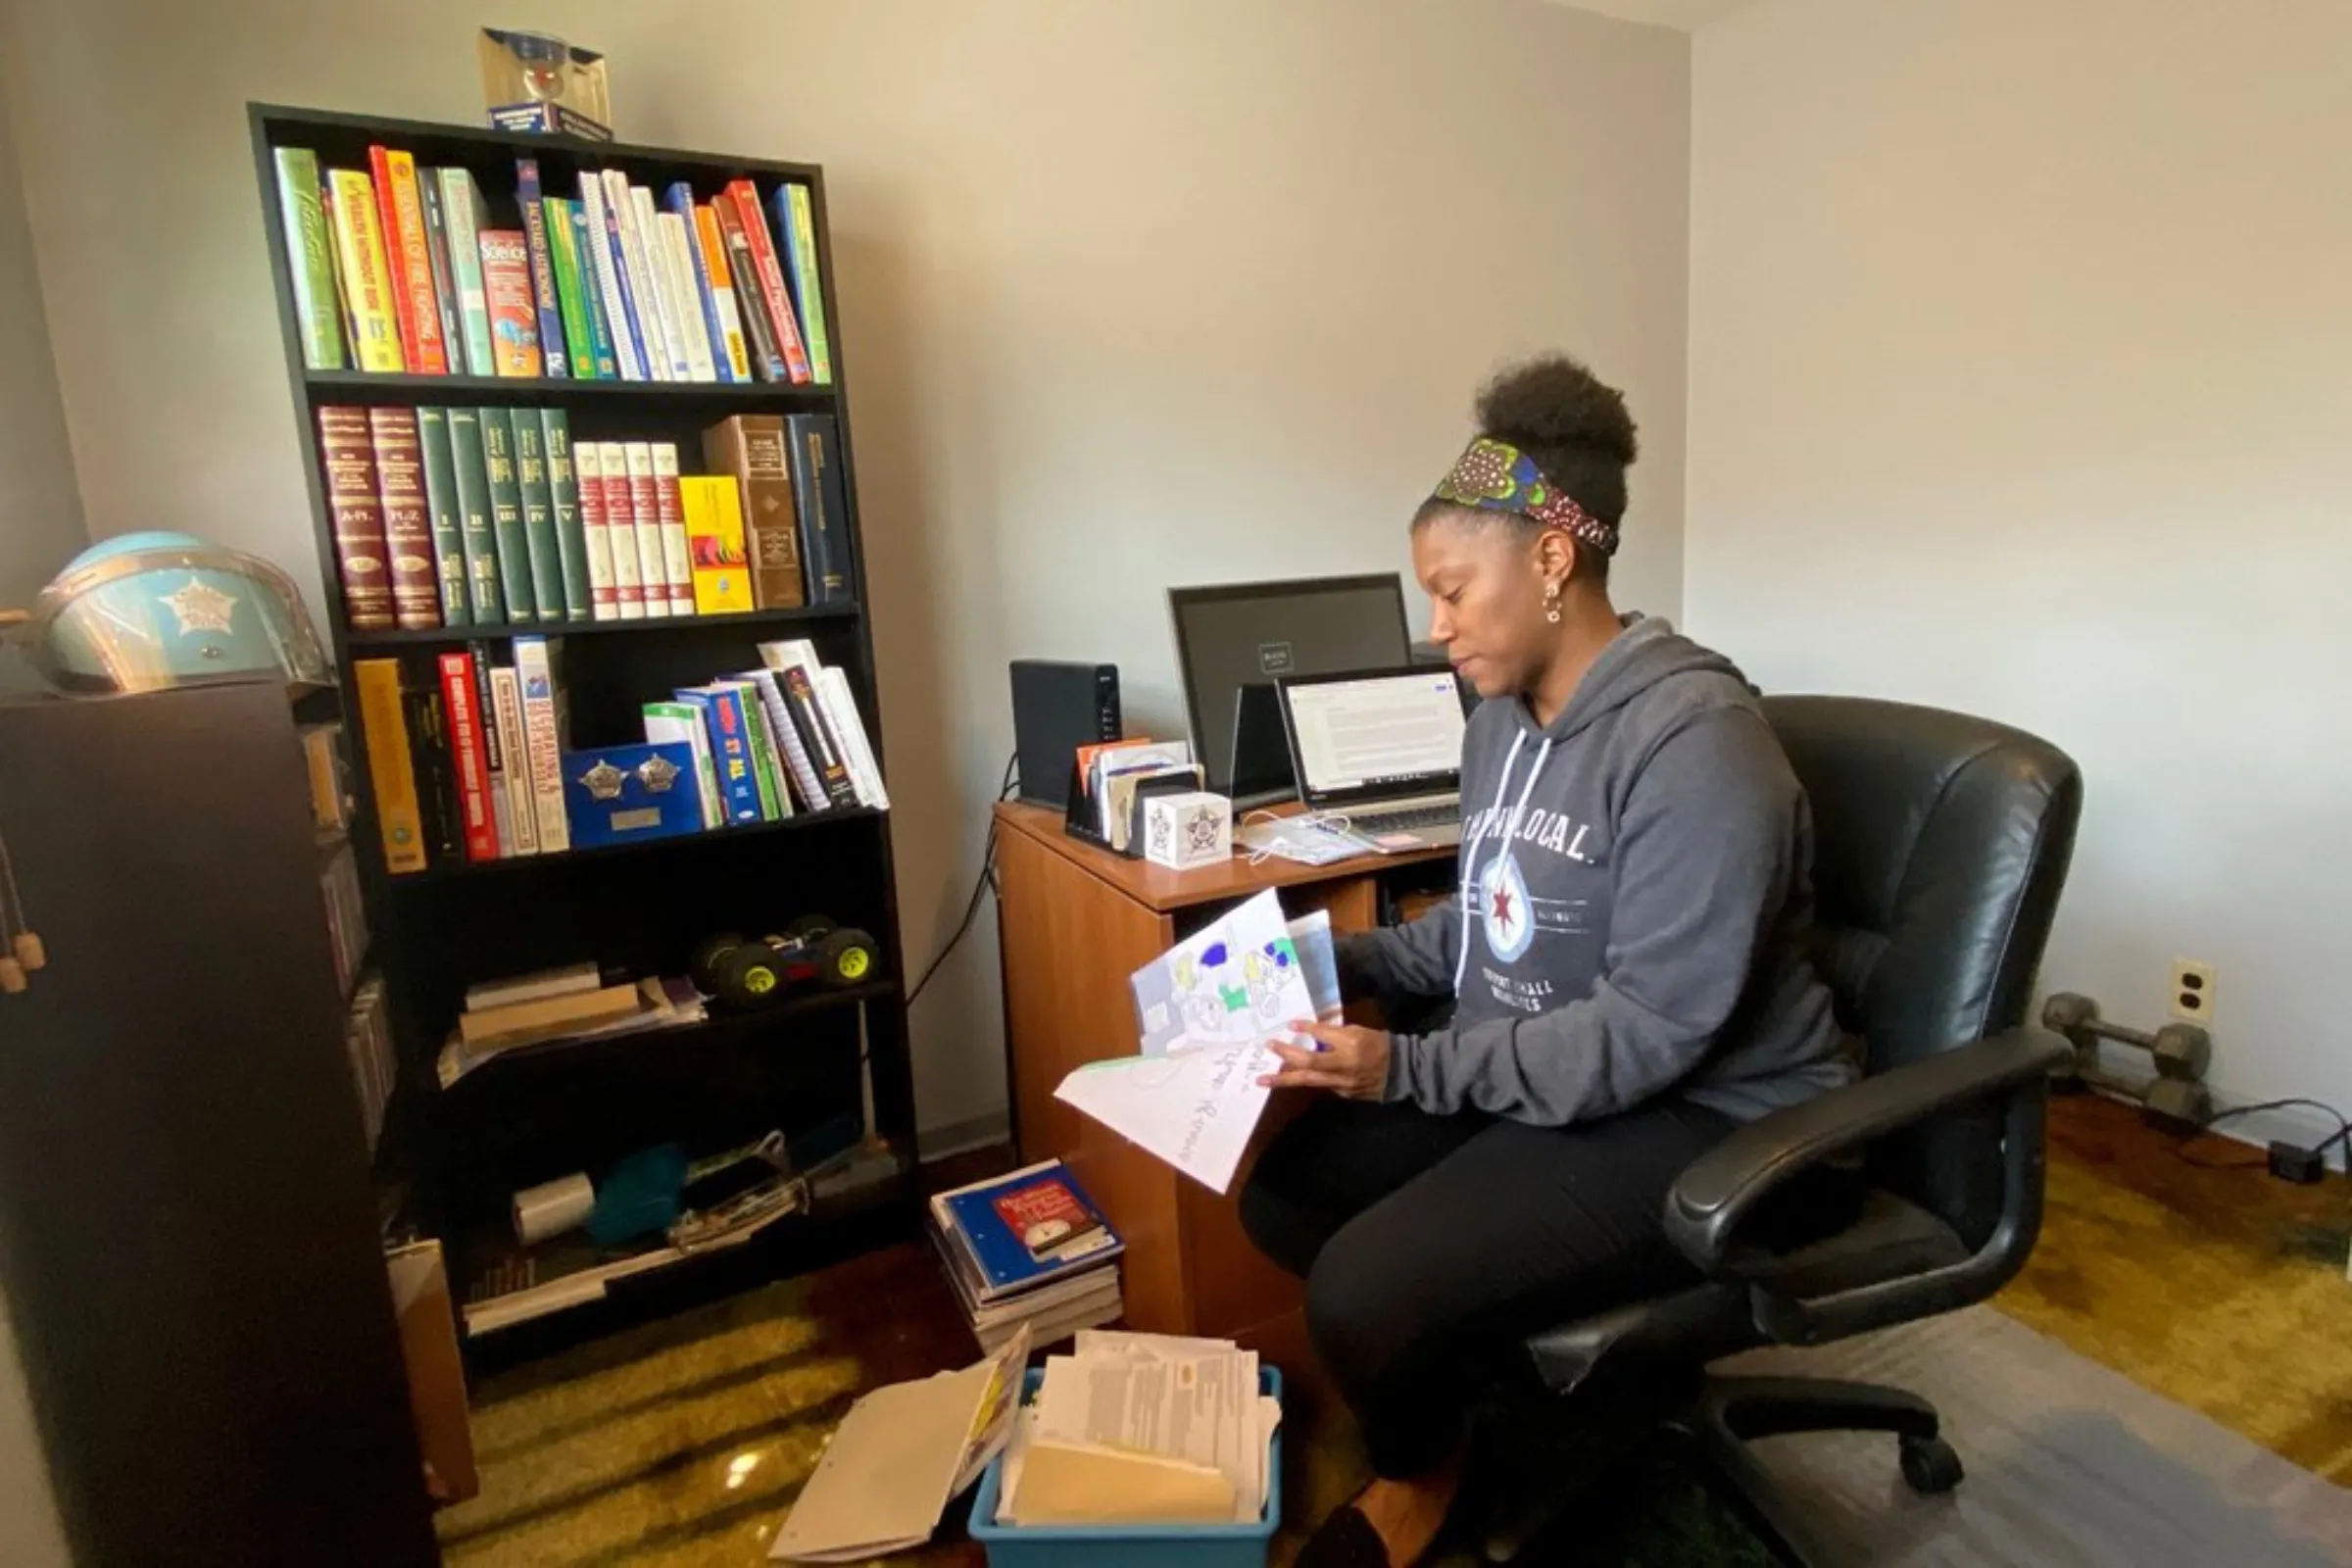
(824, 1068)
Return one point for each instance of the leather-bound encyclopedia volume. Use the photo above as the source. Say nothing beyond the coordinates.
(752, 448)
(408, 523)
(347, 455)
(818, 486)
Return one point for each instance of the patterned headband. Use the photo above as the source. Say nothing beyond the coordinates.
(1496, 477)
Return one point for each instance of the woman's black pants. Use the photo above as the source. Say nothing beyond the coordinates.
(1430, 1244)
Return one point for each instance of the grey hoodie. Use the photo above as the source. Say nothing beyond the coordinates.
(1639, 880)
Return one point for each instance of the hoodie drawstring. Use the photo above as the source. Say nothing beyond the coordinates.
(1510, 832)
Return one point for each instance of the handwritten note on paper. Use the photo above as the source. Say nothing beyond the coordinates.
(1206, 1010)
(1192, 1108)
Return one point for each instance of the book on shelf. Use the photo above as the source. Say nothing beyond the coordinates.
(571, 534)
(596, 528)
(469, 756)
(498, 752)
(715, 283)
(714, 543)
(391, 769)
(761, 344)
(539, 519)
(407, 525)
(753, 450)
(818, 492)
(723, 715)
(678, 273)
(477, 529)
(601, 229)
(796, 224)
(443, 516)
(769, 271)
(445, 278)
(555, 358)
(415, 306)
(506, 693)
(665, 350)
(365, 270)
(309, 259)
(515, 581)
(542, 743)
(465, 215)
(572, 304)
(645, 514)
(514, 315)
(355, 515)
(677, 558)
(673, 722)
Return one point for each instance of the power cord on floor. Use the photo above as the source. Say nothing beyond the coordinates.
(2254, 1159)
(986, 883)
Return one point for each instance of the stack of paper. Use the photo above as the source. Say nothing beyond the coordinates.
(898, 1456)
(1206, 1010)
(1029, 1251)
(1142, 1429)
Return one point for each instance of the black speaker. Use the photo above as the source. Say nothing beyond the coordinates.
(1057, 706)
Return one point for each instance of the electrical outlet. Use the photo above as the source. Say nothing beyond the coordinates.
(2192, 989)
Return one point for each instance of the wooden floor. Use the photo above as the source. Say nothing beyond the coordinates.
(683, 1442)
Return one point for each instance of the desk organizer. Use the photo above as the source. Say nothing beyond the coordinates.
(1129, 1545)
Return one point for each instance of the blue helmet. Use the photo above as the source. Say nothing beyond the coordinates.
(145, 611)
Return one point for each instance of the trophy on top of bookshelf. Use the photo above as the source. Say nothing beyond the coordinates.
(535, 81)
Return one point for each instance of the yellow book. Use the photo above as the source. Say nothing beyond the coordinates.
(714, 541)
(365, 271)
(385, 732)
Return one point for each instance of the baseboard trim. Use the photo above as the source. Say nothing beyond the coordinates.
(949, 1139)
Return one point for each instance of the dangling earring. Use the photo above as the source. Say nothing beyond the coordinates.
(1552, 603)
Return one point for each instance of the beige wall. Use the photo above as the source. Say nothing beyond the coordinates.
(40, 512)
(1136, 294)
(2021, 380)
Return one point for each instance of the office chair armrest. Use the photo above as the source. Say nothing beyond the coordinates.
(1722, 1186)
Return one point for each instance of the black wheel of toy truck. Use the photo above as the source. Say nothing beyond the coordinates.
(847, 958)
(710, 959)
(808, 927)
(751, 976)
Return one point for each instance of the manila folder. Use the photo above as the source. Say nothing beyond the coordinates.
(1069, 1484)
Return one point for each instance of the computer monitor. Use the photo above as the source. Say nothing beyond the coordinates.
(1239, 634)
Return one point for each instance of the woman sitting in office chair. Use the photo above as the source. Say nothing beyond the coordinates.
(1625, 961)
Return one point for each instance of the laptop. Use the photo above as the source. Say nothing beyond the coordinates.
(1382, 747)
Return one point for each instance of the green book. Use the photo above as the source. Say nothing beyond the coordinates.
(772, 808)
(310, 261)
(811, 289)
(564, 260)
(517, 578)
(571, 534)
(441, 509)
(477, 538)
(465, 215)
(539, 515)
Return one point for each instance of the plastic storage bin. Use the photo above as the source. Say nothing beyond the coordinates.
(1129, 1545)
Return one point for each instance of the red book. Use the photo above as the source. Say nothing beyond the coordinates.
(469, 753)
(772, 293)
(347, 455)
(513, 309)
(412, 264)
(1046, 1218)
(404, 304)
(407, 525)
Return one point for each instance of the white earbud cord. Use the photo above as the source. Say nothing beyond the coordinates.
(1510, 831)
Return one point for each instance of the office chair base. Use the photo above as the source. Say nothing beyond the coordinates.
(1713, 1429)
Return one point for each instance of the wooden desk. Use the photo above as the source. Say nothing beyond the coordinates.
(1075, 921)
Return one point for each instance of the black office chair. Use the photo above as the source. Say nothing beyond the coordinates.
(1941, 846)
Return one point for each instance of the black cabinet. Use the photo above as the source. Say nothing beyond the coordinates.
(188, 1239)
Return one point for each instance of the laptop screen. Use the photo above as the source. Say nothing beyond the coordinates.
(1387, 733)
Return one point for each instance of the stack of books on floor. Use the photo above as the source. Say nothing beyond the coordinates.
(1028, 1248)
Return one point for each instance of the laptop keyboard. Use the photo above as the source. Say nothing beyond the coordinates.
(1441, 816)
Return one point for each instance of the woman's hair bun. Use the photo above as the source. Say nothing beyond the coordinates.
(1553, 402)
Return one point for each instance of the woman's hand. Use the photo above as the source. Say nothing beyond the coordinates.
(1353, 1061)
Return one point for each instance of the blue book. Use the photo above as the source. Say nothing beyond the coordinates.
(543, 268)
(730, 750)
(631, 321)
(599, 327)
(679, 199)
(1025, 1230)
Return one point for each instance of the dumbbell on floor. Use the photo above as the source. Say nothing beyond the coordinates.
(2177, 1101)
